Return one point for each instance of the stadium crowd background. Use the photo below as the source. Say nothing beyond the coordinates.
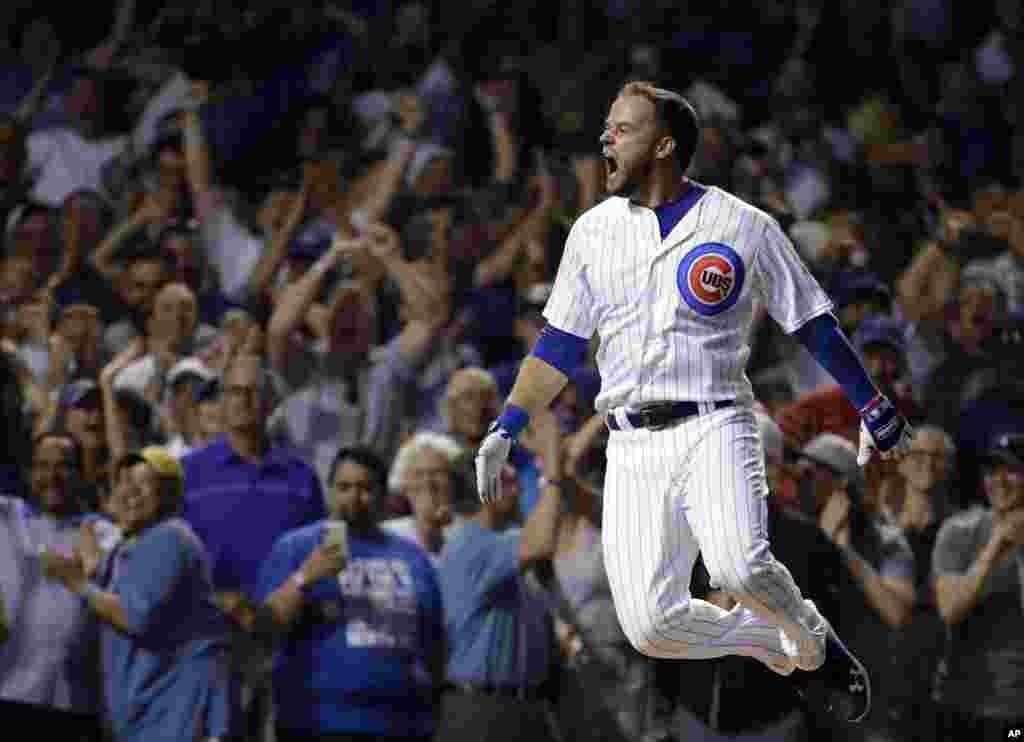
(173, 174)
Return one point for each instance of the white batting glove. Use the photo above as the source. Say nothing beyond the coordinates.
(490, 458)
(883, 430)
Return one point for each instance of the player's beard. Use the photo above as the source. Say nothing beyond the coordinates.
(627, 181)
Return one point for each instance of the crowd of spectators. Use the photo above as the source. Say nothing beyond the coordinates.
(270, 269)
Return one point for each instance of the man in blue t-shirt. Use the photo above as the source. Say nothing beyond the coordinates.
(362, 644)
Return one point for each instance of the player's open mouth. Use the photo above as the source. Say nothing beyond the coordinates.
(610, 165)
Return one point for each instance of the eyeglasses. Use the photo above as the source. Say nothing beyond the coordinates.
(1010, 476)
(941, 456)
(1013, 477)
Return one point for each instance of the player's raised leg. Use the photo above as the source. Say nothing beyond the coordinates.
(726, 495)
(650, 551)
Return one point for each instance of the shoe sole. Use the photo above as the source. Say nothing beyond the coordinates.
(861, 670)
(825, 700)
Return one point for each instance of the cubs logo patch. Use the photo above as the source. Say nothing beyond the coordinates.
(710, 278)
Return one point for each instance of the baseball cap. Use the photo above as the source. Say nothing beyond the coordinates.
(165, 465)
(78, 392)
(1005, 449)
(878, 329)
(835, 452)
(312, 241)
(136, 376)
(307, 249)
(853, 287)
(190, 366)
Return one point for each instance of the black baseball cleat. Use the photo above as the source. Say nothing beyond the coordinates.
(840, 687)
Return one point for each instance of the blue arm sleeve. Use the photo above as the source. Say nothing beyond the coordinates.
(560, 349)
(826, 341)
(557, 348)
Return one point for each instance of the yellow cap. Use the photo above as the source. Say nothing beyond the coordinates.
(161, 460)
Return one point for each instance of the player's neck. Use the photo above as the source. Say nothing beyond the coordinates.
(661, 188)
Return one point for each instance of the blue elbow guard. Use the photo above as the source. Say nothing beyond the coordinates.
(560, 349)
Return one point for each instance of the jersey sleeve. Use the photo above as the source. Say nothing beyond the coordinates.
(570, 307)
(790, 293)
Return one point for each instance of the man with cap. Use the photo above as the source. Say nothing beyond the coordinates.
(881, 342)
(978, 572)
(79, 413)
(209, 417)
(163, 640)
(182, 420)
(858, 295)
(878, 576)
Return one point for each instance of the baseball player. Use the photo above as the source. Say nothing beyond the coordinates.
(667, 273)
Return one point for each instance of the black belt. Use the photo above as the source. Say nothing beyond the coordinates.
(528, 693)
(660, 415)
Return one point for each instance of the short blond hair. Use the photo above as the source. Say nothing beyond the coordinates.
(674, 112)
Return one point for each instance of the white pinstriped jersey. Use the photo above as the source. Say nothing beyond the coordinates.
(673, 316)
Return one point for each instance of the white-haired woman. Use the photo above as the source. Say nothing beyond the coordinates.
(427, 472)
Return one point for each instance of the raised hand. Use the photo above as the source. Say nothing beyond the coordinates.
(490, 458)
(883, 430)
(327, 559)
(88, 548)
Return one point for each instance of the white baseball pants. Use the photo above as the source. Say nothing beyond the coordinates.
(697, 486)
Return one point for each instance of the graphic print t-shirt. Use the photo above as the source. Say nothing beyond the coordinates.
(355, 660)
